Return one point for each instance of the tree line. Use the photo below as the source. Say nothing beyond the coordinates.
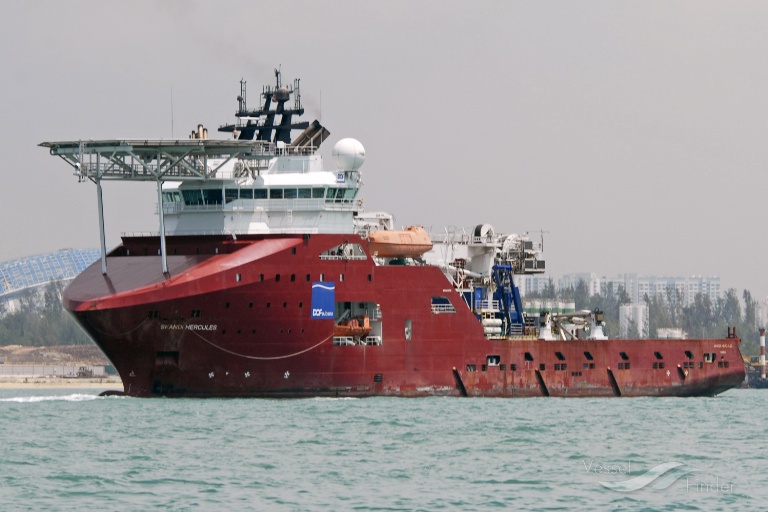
(40, 320)
(702, 318)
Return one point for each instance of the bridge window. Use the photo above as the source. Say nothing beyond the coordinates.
(305, 193)
(259, 193)
(192, 197)
(212, 196)
(231, 194)
(318, 193)
(275, 193)
(340, 195)
(290, 193)
(246, 193)
(172, 197)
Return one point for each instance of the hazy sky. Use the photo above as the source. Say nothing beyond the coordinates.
(633, 133)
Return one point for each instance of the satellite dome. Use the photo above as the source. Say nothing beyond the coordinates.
(349, 154)
(281, 94)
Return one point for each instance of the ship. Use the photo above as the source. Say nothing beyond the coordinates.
(267, 277)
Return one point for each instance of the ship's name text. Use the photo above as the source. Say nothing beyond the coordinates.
(187, 327)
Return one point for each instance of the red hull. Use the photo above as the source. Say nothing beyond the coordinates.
(224, 324)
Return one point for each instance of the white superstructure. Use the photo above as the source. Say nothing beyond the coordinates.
(288, 191)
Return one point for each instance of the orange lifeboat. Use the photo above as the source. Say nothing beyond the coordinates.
(412, 242)
(358, 326)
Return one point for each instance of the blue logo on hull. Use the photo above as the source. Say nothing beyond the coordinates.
(323, 300)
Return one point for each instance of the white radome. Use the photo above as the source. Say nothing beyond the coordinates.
(348, 154)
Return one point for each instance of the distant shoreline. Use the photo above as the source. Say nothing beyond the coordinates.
(61, 383)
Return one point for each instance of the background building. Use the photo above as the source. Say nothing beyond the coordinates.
(35, 272)
(637, 286)
(532, 283)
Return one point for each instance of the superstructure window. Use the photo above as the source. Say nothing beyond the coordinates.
(212, 196)
(231, 194)
(246, 193)
(318, 193)
(275, 193)
(192, 197)
(260, 193)
(290, 193)
(172, 197)
(305, 193)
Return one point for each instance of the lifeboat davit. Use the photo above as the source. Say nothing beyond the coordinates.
(411, 242)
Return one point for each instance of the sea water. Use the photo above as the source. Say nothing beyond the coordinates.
(65, 450)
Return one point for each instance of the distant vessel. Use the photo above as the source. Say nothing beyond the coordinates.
(268, 279)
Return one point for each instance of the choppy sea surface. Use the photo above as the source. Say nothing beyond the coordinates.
(65, 451)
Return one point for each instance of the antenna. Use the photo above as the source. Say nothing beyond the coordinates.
(171, 110)
(542, 239)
